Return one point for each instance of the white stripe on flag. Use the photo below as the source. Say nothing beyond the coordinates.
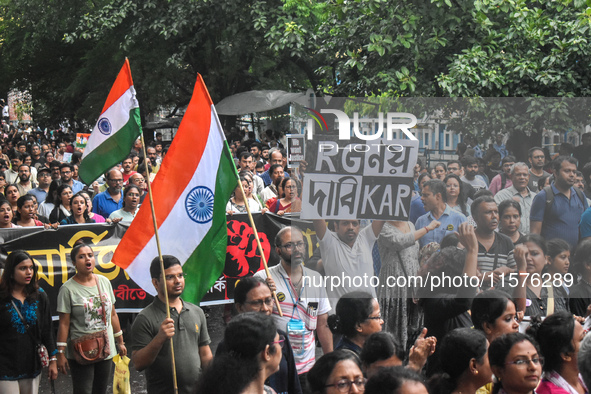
(118, 116)
(179, 235)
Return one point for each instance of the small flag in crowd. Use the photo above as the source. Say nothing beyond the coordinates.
(190, 193)
(117, 128)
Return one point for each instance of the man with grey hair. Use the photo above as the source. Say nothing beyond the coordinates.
(276, 156)
(519, 192)
(584, 360)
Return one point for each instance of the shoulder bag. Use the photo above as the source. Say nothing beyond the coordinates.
(41, 349)
(92, 348)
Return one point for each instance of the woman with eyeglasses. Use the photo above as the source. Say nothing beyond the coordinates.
(253, 354)
(357, 317)
(250, 194)
(516, 362)
(559, 336)
(337, 372)
(238, 201)
(290, 201)
(252, 294)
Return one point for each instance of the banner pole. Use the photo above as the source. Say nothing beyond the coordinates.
(256, 234)
(174, 379)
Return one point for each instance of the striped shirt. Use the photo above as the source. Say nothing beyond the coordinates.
(294, 307)
(499, 255)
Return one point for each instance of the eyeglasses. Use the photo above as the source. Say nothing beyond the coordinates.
(344, 385)
(178, 276)
(298, 245)
(378, 317)
(281, 341)
(525, 362)
(292, 187)
(259, 303)
(116, 180)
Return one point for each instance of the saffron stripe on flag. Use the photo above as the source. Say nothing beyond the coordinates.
(110, 152)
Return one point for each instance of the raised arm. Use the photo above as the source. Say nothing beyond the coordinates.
(376, 226)
(320, 228)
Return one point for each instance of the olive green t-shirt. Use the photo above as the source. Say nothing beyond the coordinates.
(190, 334)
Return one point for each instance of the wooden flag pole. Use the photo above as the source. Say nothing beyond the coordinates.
(176, 389)
(256, 235)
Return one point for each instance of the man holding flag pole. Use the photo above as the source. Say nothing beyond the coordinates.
(187, 201)
(189, 196)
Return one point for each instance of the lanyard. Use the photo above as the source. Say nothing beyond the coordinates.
(295, 304)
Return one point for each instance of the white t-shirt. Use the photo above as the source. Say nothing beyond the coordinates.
(352, 267)
(477, 183)
(313, 294)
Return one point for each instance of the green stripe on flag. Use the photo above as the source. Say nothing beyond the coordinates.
(111, 151)
(206, 263)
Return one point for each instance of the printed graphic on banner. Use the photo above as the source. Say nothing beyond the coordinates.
(356, 179)
(296, 152)
(51, 249)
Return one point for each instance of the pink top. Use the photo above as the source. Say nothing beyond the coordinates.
(98, 218)
(496, 183)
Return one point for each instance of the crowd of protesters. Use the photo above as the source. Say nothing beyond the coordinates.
(513, 227)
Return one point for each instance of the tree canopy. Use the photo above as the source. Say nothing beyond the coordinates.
(67, 52)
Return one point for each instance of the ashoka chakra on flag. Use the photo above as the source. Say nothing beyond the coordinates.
(199, 204)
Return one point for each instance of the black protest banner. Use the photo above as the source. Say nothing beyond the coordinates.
(51, 249)
(242, 256)
(358, 179)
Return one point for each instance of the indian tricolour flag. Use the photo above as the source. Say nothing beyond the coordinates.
(117, 128)
(190, 193)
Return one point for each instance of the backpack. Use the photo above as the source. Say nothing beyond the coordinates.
(550, 199)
